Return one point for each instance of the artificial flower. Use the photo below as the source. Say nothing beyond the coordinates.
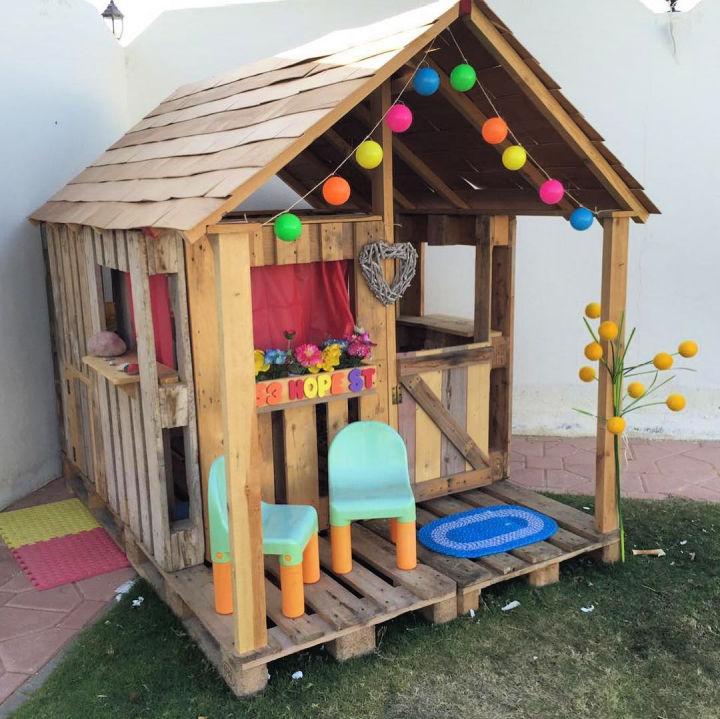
(276, 356)
(261, 364)
(308, 355)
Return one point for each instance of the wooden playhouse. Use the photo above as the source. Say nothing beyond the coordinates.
(147, 241)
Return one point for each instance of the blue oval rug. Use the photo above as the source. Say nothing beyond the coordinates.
(486, 530)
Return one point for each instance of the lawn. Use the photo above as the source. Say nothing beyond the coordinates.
(650, 649)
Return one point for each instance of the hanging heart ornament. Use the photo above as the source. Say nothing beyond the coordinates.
(371, 257)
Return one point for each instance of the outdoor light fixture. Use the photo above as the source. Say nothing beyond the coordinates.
(114, 19)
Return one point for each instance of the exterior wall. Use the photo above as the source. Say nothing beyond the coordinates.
(63, 96)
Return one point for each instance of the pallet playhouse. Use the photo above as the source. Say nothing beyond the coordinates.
(155, 217)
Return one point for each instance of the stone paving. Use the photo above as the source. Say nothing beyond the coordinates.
(35, 626)
(653, 469)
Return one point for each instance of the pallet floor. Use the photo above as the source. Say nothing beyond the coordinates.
(540, 561)
(343, 610)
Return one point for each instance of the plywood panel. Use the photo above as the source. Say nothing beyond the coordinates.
(454, 398)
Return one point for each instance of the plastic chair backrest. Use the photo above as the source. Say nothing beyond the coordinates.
(218, 511)
(364, 449)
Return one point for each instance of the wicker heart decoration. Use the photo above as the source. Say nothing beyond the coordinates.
(371, 257)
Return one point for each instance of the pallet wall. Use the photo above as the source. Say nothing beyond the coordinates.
(292, 443)
(115, 431)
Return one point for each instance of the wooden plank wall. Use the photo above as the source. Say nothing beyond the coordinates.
(292, 455)
(114, 435)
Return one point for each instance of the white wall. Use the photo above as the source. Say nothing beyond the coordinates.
(63, 102)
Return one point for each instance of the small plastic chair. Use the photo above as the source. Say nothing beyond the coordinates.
(368, 479)
(289, 531)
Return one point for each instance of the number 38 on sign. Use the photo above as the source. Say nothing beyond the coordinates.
(276, 393)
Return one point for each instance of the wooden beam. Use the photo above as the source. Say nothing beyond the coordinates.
(237, 392)
(200, 272)
(614, 291)
(488, 34)
(382, 201)
(327, 121)
(346, 148)
(502, 319)
(483, 278)
(416, 164)
(299, 188)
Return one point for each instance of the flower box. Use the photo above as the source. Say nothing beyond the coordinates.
(274, 394)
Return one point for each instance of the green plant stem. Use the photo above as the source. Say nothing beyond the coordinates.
(621, 527)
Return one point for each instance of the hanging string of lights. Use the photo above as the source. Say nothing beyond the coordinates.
(425, 81)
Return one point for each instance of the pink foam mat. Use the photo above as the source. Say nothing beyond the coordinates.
(70, 558)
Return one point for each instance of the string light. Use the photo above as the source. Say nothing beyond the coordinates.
(517, 149)
(498, 114)
(354, 149)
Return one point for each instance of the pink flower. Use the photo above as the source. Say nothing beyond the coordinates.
(358, 348)
(308, 355)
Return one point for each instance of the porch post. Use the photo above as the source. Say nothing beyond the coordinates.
(614, 291)
(383, 204)
(239, 421)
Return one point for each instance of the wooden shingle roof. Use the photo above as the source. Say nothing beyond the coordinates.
(211, 144)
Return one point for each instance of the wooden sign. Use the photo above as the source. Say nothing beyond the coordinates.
(313, 388)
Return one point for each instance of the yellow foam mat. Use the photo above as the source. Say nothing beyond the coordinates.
(46, 521)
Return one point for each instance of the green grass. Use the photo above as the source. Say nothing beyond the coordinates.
(650, 649)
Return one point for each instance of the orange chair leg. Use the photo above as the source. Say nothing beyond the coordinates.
(311, 561)
(393, 530)
(222, 585)
(341, 545)
(291, 587)
(406, 551)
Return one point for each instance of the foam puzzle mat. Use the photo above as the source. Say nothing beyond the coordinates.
(62, 560)
(46, 521)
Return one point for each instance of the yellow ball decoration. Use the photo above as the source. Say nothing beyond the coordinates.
(688, 348)
(369, 155)
(586, 374)
(675, 402)
(636, 389)
(514, 157)
(663, 360)
(592, 310)
(593, 351)
(608, 330)
(616, 425)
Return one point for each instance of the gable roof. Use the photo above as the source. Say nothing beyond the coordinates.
(211, 144)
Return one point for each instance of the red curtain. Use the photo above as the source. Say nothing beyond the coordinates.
(311, 299)
(161, 317)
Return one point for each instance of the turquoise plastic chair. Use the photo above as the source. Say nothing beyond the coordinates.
(288, 530)
(369, 479)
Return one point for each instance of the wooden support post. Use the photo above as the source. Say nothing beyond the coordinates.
(545, 576)
(352, 645)
(483, 277)
(200, 272)
(149, 397)
(614, 291)
(382, 201)
(237, 392)
(502, 309)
